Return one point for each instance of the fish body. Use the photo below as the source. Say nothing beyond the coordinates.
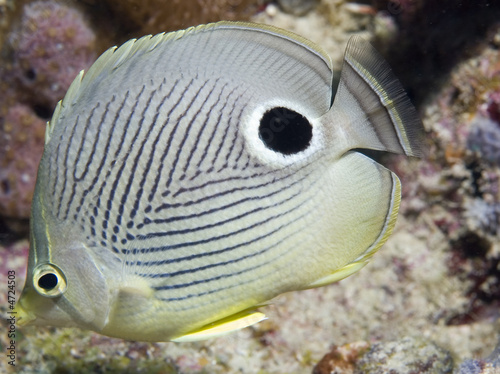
(190, 177)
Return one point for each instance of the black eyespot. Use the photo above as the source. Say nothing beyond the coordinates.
(285, 131)
(47, 281)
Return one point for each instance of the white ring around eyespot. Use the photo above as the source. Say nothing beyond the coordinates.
(258, 149)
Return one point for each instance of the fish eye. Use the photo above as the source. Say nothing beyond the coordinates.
(285, 131)
(49, 280)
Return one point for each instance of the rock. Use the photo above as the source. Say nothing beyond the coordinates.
(406, 356)
(297, 7)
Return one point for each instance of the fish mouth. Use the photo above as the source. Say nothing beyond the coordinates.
(23, 316)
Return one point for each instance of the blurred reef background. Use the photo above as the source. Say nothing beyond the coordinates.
(429, 301)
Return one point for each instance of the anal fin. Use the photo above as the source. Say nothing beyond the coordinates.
(224, 326)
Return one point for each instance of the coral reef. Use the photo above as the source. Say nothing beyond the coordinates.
(44, 52)
(12, 258)
(434, 36)
(489, 365)
(21, 146)
(483, 216)
(409, 355)
(484, 138)
(406, 356)
(335, 21)
(6, 9)
(457, 186)
(140, 17)
(342, 359)
(297, 7)
(476, 367)
(50, 46)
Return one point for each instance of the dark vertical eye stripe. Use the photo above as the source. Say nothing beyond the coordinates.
(172, 169)
(162, 184)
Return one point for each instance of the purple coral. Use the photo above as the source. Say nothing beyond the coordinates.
(21, 146)
(52, 44)
(484, 138)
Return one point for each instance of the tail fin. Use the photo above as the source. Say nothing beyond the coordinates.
(379, 114)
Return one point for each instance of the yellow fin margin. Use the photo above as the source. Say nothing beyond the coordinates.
(224, 326)
(362, 260)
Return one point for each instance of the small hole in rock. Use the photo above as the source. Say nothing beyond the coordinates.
(30, 74)
(42, 112)
(471, 245)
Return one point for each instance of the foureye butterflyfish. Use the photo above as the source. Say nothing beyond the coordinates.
(190, 177)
